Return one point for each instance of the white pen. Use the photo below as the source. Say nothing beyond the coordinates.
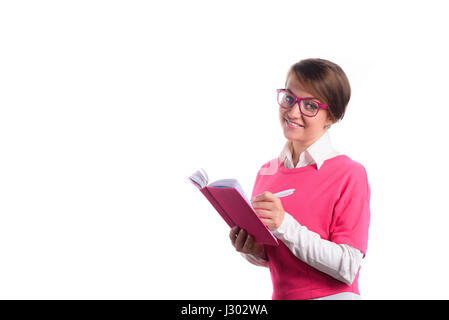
(284, 193)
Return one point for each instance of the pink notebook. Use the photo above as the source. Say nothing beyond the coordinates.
(228, 198)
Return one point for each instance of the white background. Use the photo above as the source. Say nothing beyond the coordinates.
(107, 106)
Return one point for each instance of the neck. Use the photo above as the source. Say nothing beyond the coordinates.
(297, 147)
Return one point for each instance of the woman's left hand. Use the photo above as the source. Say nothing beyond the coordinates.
(269, 209)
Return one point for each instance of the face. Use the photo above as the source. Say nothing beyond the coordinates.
(312, 128)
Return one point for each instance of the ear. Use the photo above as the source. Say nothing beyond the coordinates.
(329, 121)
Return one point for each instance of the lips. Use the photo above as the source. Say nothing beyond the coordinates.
(293, 122)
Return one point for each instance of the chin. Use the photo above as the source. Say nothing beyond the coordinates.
(290, 136)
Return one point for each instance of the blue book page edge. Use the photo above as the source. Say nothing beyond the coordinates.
(230, 183)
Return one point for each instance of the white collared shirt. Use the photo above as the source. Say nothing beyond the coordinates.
(318, 152)
(340, 261)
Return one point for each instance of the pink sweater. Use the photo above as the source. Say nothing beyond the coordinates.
(333, 202)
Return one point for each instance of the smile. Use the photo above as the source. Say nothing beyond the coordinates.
(292, 124)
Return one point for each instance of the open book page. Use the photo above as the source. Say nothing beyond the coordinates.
(230, 183)
(200, 179)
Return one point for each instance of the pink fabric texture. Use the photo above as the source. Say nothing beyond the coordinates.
(333, 202)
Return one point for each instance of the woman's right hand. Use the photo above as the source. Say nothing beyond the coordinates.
(245, 243)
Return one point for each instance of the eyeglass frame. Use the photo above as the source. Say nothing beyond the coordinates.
(297, 99)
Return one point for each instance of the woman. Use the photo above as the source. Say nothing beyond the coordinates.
(323, 225)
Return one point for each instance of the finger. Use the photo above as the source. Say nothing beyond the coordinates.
(267, 195)
(241, 238)
(249, 244)
(233, 233)
(263, 204)
(259, 197)
(268, 222)
(262, 213)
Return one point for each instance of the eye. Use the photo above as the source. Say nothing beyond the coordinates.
(310, 105)
(288, 99)
(285, 100)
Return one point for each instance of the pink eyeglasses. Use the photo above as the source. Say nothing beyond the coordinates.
(307, 106)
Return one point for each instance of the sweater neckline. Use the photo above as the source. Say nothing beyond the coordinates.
(304, 168)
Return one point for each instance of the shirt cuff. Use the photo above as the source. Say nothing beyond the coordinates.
(258, 261)
(282, 229)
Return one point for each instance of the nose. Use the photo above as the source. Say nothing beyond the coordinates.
(294, 112)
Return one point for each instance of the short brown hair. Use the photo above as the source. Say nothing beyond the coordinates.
(325, 80)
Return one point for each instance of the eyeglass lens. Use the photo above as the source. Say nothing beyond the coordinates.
(308, 107)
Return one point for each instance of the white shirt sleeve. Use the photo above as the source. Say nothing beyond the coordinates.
(340, 261)
(255, 260)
